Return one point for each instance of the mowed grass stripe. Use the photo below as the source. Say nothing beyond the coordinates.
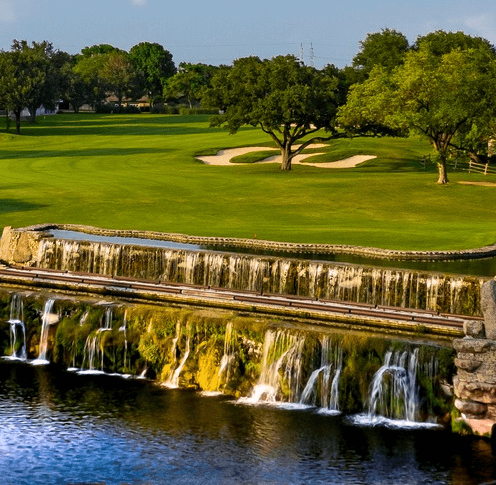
(140, 172)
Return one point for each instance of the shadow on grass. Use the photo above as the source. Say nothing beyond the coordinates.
(116, 125)
(85, 152)
(15, 205)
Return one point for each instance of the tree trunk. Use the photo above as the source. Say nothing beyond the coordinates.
(443, 173)
(286, 158)
(18, 121)
(32, 114)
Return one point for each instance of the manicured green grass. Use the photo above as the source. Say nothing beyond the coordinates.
(140, 172)
(253, 157)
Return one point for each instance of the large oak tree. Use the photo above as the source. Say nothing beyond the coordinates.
(440, 95)
(289, 101)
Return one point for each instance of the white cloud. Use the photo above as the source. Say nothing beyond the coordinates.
(139, 3)
(7, 11)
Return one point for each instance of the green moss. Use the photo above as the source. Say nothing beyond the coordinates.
(459, 425)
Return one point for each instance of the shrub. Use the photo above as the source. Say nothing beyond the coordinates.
(111, 108)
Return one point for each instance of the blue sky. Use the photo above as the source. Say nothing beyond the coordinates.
(218, 31)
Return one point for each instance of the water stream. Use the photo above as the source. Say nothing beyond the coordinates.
(17, 328)
(43, 346)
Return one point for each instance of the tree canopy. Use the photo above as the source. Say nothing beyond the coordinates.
(189, 82)
(156, 65)
(441, 96)
(286, 99)
(27, 77)
(386, 49)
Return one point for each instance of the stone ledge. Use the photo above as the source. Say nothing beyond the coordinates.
(474, 346)
(294, 248)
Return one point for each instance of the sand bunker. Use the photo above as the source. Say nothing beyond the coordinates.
(224, 157)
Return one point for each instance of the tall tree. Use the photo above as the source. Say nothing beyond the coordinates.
(99, 49)
(75, 89)
(286, 99)
(89, 69)
(440, 96)
(441, 42)
(119, 75)
(156, 65)
(189, 82)
(48, 93)
(22, 74)
(386, 48)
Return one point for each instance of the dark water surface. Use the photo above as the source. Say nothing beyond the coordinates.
(60, 428)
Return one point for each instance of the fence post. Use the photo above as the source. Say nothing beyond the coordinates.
(485, 170)
(469, 166)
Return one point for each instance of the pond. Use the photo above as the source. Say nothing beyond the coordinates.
(61, 428)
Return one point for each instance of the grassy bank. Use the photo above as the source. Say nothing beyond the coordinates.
(139, 172)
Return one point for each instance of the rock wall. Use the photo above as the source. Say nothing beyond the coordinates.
(19, 247)
(475, 382)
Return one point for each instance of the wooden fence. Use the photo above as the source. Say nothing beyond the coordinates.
(463, 165)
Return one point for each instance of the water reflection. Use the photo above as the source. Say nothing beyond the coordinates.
(57, 427)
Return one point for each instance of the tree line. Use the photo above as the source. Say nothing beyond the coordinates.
(37, 74)
(443, 86)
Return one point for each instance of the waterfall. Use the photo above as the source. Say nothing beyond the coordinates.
(421, 290)
(309, 391)
(93, 350)
(281, 359)
(45, 322)
(322, 388)
(107, 320)
(229, 356)
(393, 390)
(16, 321)
(124, 330)
(173, 381)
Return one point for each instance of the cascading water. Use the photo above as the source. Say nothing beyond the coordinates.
(393, 390)
(123, 329)
(173, 381)
(93, 353)
(282, 352)
(228, 357)
(45, 322)
(16, 322)
(353, 283)
(322, 388)
(107, 321)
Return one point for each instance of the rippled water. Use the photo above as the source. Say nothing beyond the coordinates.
(61, 428)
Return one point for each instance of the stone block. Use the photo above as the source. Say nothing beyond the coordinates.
(470, 408)
(491, 412)
(474, 346)
(488, 306)
(468, 364)
(480, 392)
(474, 329)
